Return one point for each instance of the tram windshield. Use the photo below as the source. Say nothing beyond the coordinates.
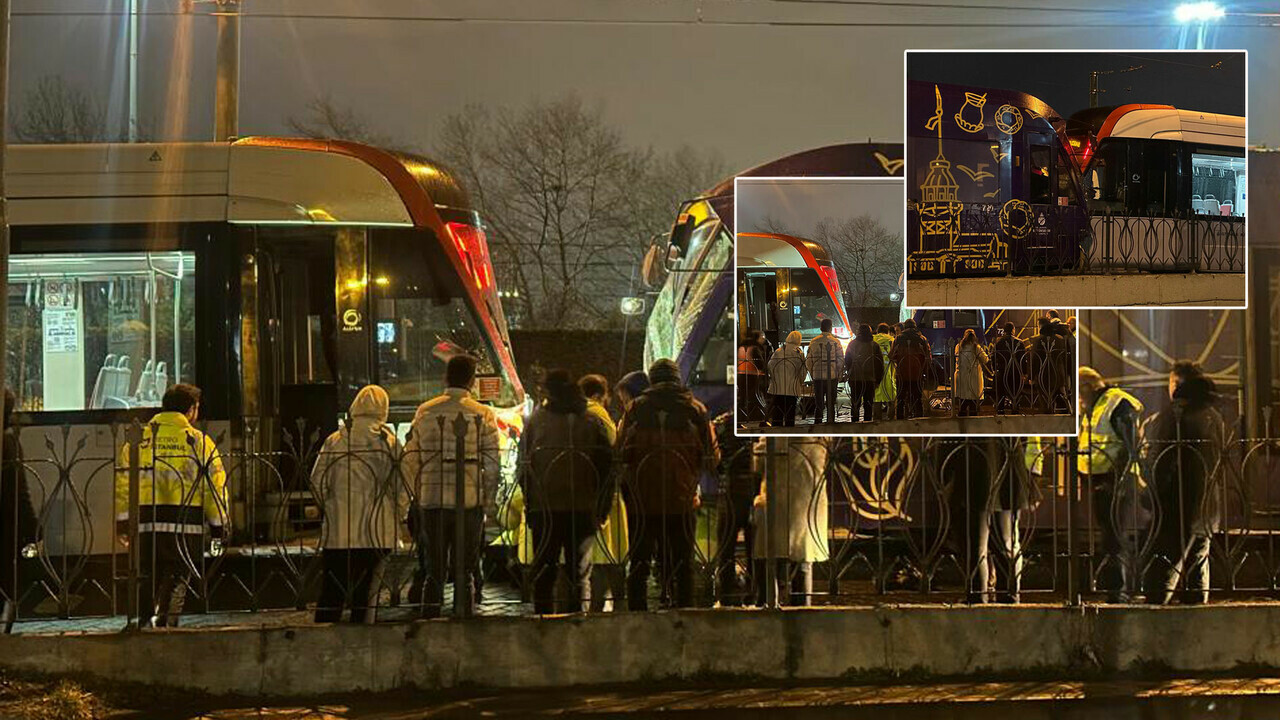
(94, 331)
(422, 318)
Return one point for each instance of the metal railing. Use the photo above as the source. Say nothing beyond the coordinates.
(984, 239)
(663, 520)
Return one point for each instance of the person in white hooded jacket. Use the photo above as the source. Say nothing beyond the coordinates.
(355, 479)
(786, 379)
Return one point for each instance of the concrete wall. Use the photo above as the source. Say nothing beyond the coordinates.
(1125, 290)
(697, 646)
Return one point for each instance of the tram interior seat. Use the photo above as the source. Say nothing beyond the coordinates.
(146, 390)
(1211, 205)
(161, 381)
(105, 376)
(1197, 204)
(1227, 209)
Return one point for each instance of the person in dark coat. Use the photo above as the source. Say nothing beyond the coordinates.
(1007, 363)
(566, 457)
(18, 525)
(739, 483)
(1183, 446)
(1051, 364)
(666, 444)
(990, 481)
(753, 377)
(911, 358)
(864, 366)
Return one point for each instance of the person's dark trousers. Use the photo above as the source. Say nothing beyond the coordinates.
(574, 534)
(824, 399)
(750, 409)
(668, 540)
(167, 562)
(861, 395)
(434, 538)
(348, 579)
(1110, 566)
(784, 410)
(967, 408)
(735, 517)
(1006, 387)
(1179, 563)
(910, 399)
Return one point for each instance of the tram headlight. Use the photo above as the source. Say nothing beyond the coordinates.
(631, 306)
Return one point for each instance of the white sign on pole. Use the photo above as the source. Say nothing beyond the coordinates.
(62, 330)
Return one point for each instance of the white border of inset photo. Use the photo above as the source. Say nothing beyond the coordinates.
(739, 432)
(906, 175)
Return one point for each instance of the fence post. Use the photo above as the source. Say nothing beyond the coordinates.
(771, 495)
(1073, 491)
(133, 435)
(461, 582)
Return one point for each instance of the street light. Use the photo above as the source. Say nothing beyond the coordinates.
(1198, 12)
(1200, 15)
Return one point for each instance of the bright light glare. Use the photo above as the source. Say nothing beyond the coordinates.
(1198, 12)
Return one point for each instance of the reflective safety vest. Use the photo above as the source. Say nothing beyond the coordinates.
(1099, 443)
(181, 483)
(1033, 455)
(748, 365)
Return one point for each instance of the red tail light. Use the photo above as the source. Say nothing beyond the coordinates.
(473, 248)
(829, 277)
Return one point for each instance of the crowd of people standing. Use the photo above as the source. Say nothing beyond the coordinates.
(889, 371)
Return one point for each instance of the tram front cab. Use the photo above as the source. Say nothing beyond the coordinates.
(279, 275)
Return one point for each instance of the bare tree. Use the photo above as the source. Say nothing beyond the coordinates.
(54, 111)
(324, 118)
(867, 256)
(569, 206)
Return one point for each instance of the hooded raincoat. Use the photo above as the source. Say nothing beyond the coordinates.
(355, 478)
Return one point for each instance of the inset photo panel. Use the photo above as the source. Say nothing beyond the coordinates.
(1078, 178)
(827, 346)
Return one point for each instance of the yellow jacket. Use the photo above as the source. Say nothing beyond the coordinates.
(181, 483)
(612, 543)
(1100, 445)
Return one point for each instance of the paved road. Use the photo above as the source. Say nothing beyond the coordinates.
(1200, 699)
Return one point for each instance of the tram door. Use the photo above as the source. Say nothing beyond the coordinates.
(297, 344)
(761, 302)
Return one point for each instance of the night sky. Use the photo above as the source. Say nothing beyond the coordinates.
(751, 79)
(1182, 79)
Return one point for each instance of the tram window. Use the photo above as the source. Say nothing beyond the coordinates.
(1066, 181)
(1107, 175)
(715, 362)
(811, 303)
(1041, 191)
(964, 318)
(94, 331)
(422, 319)
(1217, 185)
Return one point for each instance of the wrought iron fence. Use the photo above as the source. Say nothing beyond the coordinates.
(666, 518)
(865, 384)
(989, 239)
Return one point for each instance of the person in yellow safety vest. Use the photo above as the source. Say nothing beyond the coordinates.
(1033, 455)
(1108, 452)
(181, 493)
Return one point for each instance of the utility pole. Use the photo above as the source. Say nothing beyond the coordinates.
(226, 109)
(4, 209)
(132, 70)
(1093, 86)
